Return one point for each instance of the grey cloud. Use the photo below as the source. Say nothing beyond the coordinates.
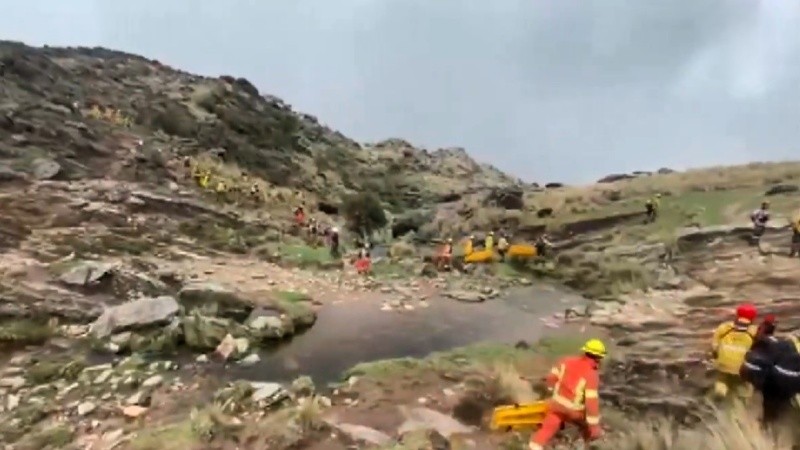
(546, 89)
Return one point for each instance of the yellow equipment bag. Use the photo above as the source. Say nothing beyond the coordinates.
(521, 251)
(482, 256)
(515, 417)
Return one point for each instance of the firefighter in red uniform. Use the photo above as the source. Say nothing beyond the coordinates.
(574, 382)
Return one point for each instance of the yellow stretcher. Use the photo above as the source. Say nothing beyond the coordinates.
(481, 256)
(521, 251)
(515, 417)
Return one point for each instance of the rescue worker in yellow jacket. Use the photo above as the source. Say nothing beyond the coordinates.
(730, 343)
(488, 243)
(469, 245)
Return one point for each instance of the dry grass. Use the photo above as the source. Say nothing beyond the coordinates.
(736, 429)
(509, 384)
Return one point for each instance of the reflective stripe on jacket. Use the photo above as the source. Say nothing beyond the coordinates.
(575, 382)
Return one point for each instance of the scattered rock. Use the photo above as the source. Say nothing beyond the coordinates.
(86, 273)
(153, 381)
(428, 419)
(12, 401)
(133, 411)
(136, 314)
(362, 434)
(45, 169)
(141, 398)
(86, 408)
(268, 393)
(12, 383)
(250, 360)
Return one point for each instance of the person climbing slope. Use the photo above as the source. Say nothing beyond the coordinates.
(575, 381)
(651, 207)
(761, 370)
(730, 343)
(759, 217)
(795, 251)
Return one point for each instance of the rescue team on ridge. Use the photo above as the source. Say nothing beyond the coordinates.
(746, 357)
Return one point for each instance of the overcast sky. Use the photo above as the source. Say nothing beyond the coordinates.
(549, 90)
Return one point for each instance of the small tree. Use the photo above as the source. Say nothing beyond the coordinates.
(364, 213)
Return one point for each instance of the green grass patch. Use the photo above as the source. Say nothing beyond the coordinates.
(293, 296)
(483, 355)
(305, 256)
(24, 331)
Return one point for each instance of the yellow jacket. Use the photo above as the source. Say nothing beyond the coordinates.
(796, 225)
(468, 247)
(730, 343)
(489, 242)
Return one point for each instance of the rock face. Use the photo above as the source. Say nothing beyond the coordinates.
(141, 313)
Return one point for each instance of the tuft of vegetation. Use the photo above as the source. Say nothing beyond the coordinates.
(54, 437)
(24, 332)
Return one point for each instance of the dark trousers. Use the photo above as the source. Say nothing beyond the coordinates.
(775, 405)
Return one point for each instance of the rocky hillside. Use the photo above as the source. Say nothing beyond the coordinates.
(49, 129)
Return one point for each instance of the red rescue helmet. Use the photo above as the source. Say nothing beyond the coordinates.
(746, 311)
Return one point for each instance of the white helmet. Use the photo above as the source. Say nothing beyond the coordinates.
(335, 229)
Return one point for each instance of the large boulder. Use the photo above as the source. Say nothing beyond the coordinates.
(269, 324)
(509, 198)
(206, 333)
(212, 299)
(141, 313)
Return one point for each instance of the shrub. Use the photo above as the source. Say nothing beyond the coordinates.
(364, 213)
(176, 120)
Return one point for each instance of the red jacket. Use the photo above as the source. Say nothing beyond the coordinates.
(575, 382)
